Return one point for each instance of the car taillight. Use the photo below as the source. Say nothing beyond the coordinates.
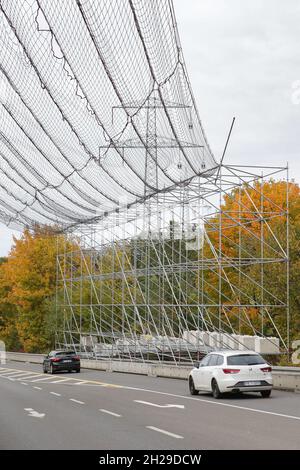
(76, 358)
(231, 371)
(266, 369)
(55, 359)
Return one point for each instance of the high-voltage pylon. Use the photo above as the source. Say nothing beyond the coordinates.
(153, 143)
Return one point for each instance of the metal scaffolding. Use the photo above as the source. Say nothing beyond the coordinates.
(167, 252)
(185, 272)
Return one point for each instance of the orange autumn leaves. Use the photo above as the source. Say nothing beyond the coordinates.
(248, 215)
(27, 287)
(245, 208)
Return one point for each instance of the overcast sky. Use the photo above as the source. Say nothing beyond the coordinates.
(243, 59)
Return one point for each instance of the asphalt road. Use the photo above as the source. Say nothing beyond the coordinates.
(102, 410)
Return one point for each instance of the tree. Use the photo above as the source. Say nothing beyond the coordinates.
(247, 213)
(27, 285)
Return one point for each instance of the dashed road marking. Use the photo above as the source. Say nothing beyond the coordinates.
(56, 394)
(162, 431)
(185, 397)
(159, 406)
(110, 413)
(77, 401)
(214, 403)
(38, 388)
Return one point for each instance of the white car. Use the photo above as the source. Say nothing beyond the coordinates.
(231, 371)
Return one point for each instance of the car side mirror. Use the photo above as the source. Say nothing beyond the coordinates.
(197, 364)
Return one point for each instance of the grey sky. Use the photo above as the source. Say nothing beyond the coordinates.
(243, 61)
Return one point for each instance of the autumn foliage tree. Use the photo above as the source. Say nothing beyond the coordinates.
(27, 286)
(250, 214)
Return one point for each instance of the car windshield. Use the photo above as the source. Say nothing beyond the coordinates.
(245, 360)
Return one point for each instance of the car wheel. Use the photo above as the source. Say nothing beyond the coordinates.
(44, 370)
(192, 388)
(215, 389)
(77, 370)
(51, 369)
(265, 393)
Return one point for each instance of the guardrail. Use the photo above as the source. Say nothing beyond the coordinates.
(285, 378)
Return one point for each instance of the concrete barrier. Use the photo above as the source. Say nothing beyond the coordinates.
(285, 378)
(24, 357)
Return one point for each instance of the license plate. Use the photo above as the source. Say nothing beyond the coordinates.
(252, 383)
(68, 360)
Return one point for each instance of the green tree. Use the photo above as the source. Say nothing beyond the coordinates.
(27, 286)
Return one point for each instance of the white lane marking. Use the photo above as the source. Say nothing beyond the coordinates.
(15, 373)
(34, 414)
(110, 413)
(26, 371)
(159, 406)
(31, 376)
(77, 401)
(211, 402)
(2, 371)
(90, 384)
(7, 378)
(41, 380)
(109, 385)
(20, 374)
(38, 388)
(56, 394)
(24, 383)
(171, 434)
(60, 380)
(63, 379)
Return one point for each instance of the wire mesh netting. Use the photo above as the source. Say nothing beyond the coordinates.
(83, 83)
(100, 137)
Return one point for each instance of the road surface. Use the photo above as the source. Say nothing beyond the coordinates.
(102, 410)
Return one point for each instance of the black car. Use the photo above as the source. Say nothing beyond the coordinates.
(61, 360)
